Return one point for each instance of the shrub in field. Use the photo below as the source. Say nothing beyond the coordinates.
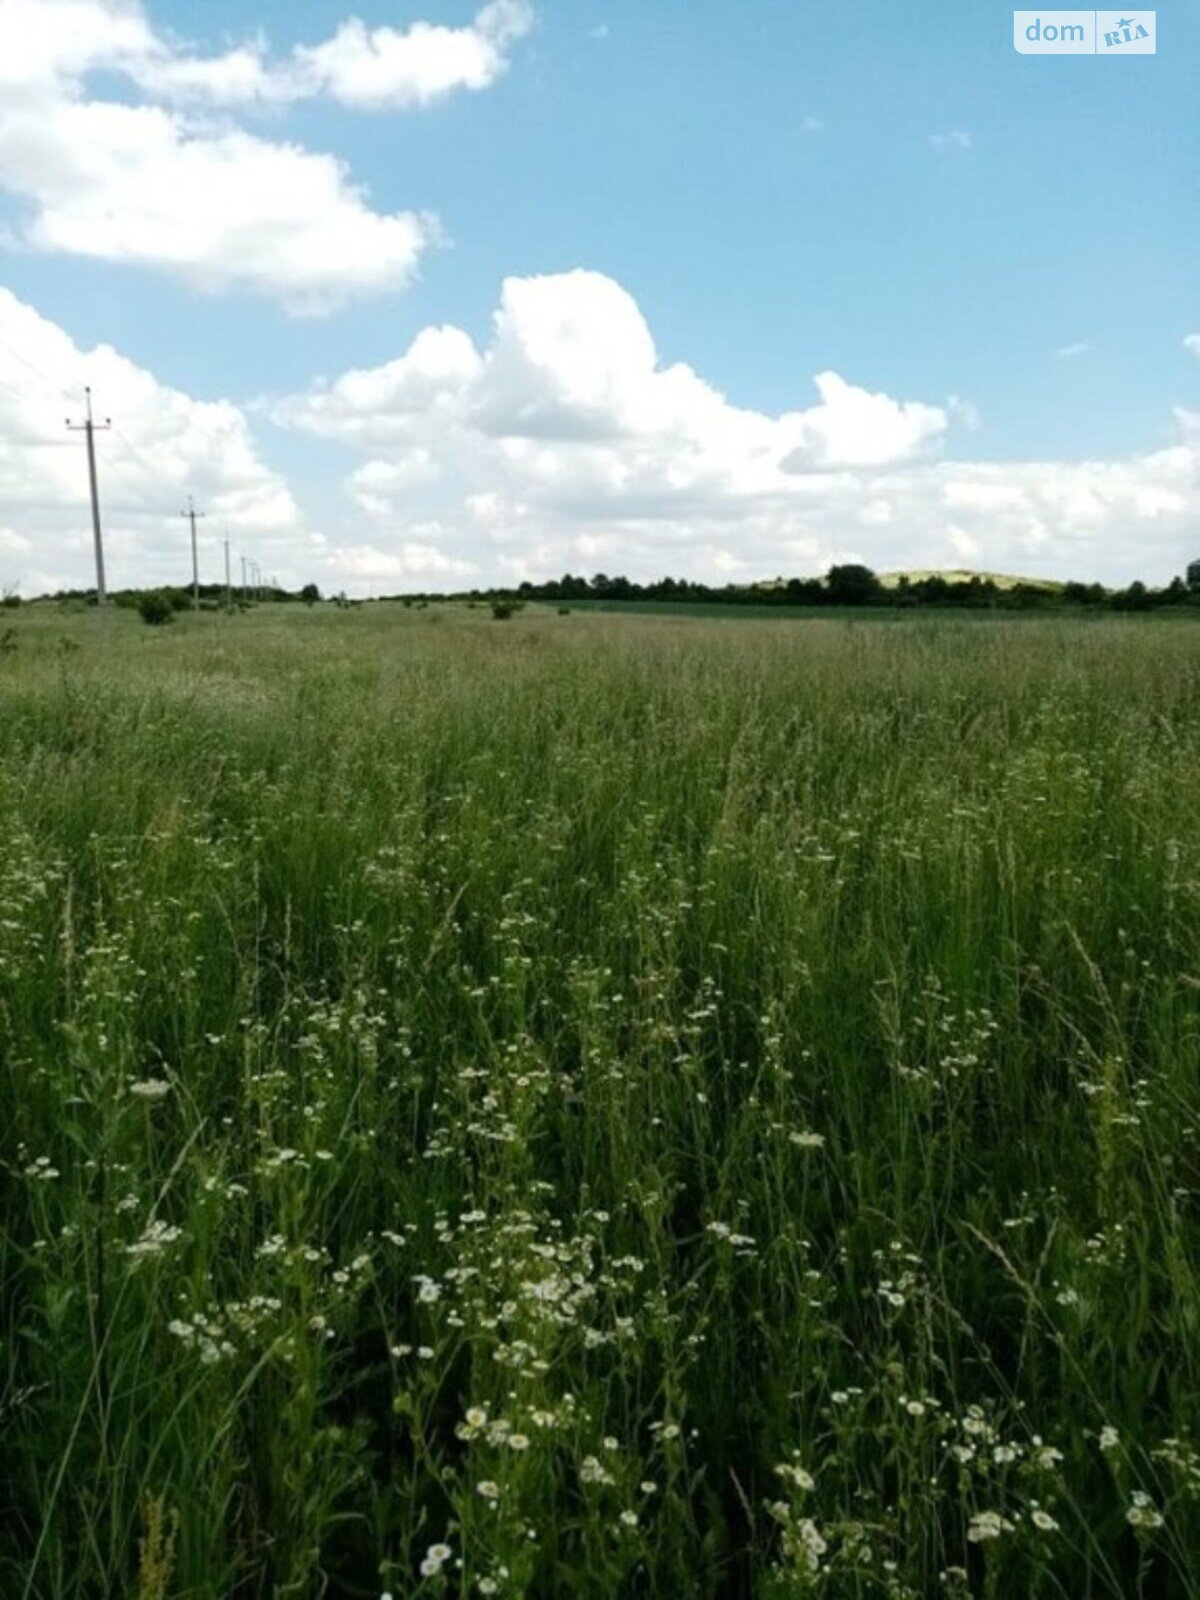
(503, 609)
(156, 608)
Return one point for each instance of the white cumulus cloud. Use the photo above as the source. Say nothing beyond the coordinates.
(570, 400)
(219, 209)
(55, 44)
(165, 186)
(564, 443)
(370, 68)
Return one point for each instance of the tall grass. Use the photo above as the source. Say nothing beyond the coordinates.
(596, 1106)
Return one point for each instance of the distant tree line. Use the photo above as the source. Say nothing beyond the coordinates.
(178, 597)
(851, 584)
(848, 584)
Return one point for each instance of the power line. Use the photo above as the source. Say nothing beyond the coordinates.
(88, 428)
(67, 394)
(138, 493)
(129, 448)
(132, 450)
(191, 514)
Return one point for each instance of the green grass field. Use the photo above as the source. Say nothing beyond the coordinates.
(598, 1106)
(742, 611)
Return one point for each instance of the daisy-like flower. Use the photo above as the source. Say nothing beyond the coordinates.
(436, 1558)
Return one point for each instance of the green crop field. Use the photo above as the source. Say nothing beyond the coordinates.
(598, 1106)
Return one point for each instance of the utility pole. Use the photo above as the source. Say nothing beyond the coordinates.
(228, 585)
(191, 514)
(90, 428)
(243, 580)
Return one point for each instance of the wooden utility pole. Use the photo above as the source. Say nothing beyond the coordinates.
(89, 428)
(228, 584)
(191, 514)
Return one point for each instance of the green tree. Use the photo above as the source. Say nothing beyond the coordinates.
(851, 585)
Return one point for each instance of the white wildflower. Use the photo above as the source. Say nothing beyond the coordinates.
(1142, 1512)
(155, 1238)
(436, 1558)
(150, 1088)
(797, 1475)
(813, 1541)
(987, 1525)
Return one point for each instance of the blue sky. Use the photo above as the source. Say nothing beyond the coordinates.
(893, 196)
